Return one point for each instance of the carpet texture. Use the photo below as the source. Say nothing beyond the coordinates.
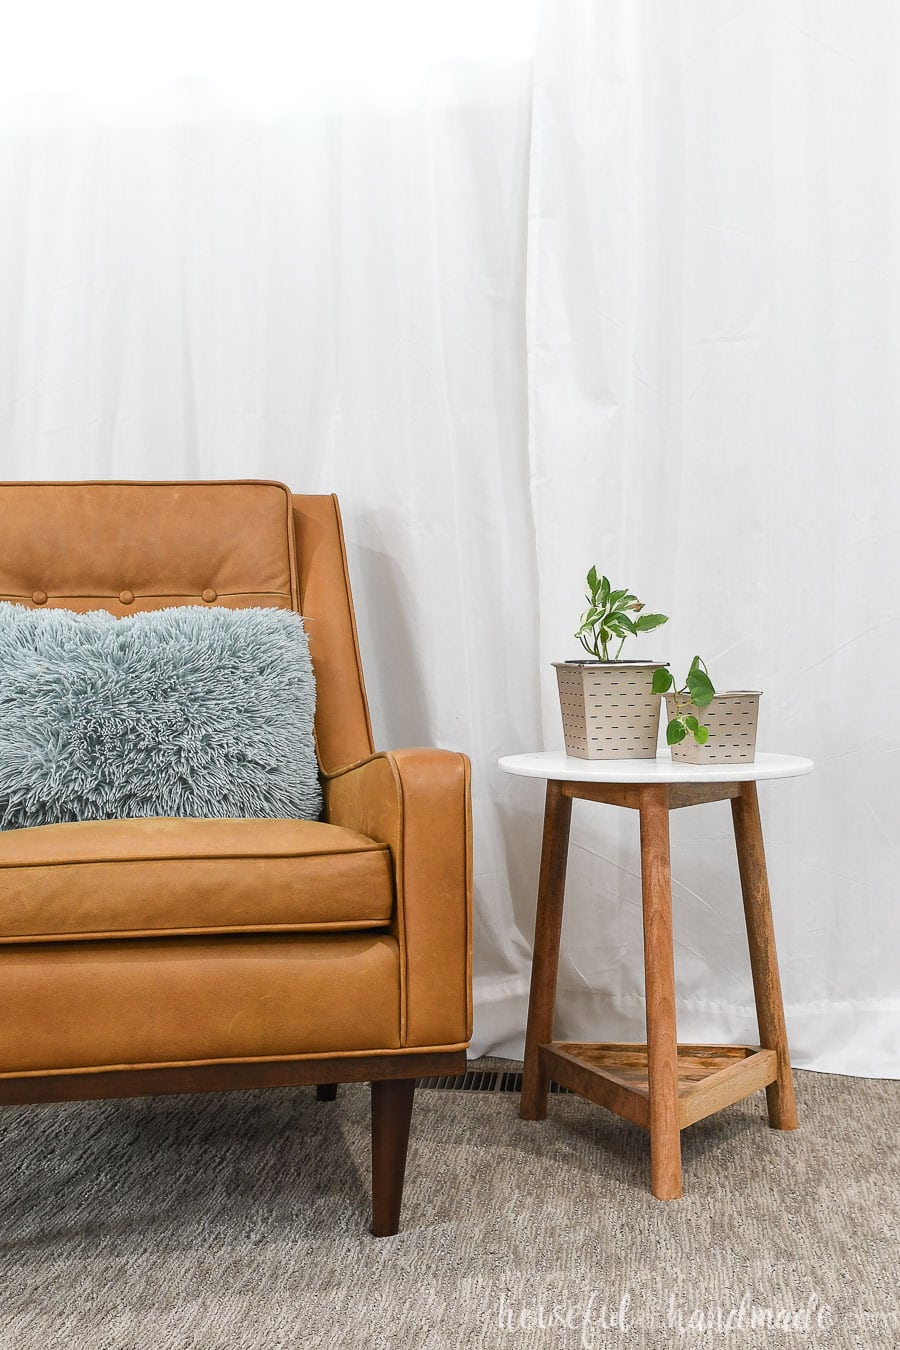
(186, 711)
(240, 1221)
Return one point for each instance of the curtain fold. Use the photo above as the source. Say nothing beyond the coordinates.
(624, 291)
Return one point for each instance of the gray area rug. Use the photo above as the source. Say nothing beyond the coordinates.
(241, 1221)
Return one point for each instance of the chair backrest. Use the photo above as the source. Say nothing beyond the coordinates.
(126, 546)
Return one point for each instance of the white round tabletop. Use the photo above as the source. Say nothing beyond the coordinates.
(551, 764)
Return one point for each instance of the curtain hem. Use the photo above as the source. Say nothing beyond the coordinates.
(854, 1037)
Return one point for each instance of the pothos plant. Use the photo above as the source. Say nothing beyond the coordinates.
(609, 616)
(698, 692)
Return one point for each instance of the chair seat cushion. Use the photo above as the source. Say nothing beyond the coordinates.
(135, 878)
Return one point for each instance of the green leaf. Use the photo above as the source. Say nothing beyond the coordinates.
(592, 581)
(701, 735)
(700, 687)
(675, 732)
(616, 596)
(662, 680)
(603, 593)
(691, 723)
(621, 625)
(696, 664)
(647, 622)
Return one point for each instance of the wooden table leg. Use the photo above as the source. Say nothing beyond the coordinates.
(763, 957)
(545, 960)
(659, 972)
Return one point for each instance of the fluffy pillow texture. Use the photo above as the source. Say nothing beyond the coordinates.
(174, 712)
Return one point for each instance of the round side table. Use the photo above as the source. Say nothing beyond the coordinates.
(660, 1085)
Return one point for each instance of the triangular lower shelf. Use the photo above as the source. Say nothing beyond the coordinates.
(616, 1076)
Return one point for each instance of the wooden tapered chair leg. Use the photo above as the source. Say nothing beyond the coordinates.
(763, 957)
(545, 961)
(659, 978)
(392, 1102)
(326, 1092)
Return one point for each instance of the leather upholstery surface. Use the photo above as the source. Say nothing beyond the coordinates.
(173, 1000)
(343, 728)
(419, 802)
(132, 546)
(109, 878)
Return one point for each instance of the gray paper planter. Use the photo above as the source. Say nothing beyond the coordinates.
(732, 719)
(609, 710)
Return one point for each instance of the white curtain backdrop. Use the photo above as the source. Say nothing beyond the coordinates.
(618, 288)
(713, 337)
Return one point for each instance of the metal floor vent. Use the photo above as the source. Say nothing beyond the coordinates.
(481, 1080)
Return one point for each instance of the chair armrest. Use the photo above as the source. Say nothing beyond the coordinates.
(418, 802)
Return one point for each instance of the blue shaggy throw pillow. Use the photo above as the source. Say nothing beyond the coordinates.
(174, 712)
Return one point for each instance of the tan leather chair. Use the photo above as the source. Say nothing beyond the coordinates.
(180, 955)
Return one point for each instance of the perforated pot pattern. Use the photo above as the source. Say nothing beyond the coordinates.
(608, 709)
(732, 720)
